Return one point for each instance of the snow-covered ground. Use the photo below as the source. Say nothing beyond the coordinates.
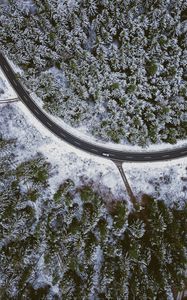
(17, 122)
(6, 91)
(165, 180)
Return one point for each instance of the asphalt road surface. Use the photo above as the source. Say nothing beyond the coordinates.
(78, 142)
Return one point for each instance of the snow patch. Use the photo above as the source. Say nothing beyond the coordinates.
(164, 180)
(6, 91)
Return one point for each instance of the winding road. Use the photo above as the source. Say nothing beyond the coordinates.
(115, 155)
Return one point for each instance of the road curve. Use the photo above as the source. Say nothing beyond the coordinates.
(102, 151)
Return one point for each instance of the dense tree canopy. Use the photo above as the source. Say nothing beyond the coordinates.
(118, 67)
